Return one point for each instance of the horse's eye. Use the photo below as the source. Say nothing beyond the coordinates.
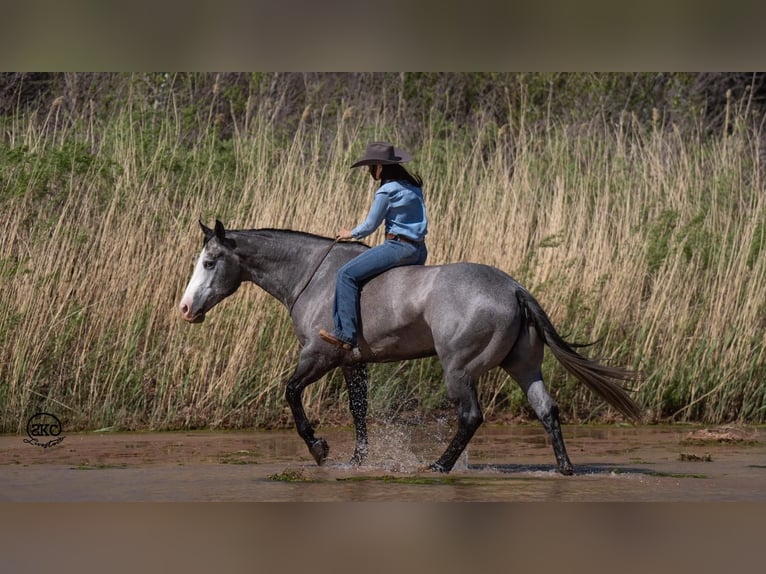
(208, 264)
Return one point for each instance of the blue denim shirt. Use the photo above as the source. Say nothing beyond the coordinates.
(401, 205)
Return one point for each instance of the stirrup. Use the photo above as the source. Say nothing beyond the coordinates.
(328, 337)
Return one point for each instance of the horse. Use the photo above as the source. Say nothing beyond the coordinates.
(473, 317)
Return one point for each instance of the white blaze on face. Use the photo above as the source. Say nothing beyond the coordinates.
(199, 280)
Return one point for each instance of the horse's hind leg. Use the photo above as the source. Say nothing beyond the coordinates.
(548, 412)
(461, 389)
(524, 364)
(356, 382)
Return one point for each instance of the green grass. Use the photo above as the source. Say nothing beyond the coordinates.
(238, 457)
(289, 475)
(99, 466)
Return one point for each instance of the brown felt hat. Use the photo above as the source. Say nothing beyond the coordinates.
(382, 153)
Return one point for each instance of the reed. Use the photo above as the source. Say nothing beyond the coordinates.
(643, 237)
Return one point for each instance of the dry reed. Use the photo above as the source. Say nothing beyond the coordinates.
(643, 237)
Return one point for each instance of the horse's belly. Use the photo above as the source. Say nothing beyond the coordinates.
(407, 342)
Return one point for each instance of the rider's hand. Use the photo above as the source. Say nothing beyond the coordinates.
(344, 234)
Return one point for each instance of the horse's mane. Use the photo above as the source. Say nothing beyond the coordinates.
(276, 231)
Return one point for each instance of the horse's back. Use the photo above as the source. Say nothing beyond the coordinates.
(462, 284)
(439, 308)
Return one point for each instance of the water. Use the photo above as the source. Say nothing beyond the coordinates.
(502, 463)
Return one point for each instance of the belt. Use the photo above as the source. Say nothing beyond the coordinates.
(402, 238)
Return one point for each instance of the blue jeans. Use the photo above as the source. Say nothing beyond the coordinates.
(354, 274)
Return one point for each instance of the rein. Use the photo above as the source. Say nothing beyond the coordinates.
(311, 276)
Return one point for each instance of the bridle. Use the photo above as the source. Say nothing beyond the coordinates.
(311, 276)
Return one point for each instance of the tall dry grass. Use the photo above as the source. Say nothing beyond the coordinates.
(645, 238)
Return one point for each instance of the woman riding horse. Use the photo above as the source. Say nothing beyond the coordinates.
(399, 202)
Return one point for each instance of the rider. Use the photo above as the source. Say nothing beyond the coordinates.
(399, 202)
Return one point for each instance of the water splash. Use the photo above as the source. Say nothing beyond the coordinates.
(409, 445)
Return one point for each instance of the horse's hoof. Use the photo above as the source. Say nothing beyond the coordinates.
(566, 469)
(319, 450)
(438, 467)
(359, 458)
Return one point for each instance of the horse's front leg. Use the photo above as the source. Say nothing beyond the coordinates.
(356, 382)
(308, 371)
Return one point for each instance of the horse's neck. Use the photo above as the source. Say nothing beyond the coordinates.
(279, 262)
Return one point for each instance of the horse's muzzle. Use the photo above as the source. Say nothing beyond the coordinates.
(187, 315)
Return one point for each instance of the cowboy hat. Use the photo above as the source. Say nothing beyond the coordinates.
(382, 153)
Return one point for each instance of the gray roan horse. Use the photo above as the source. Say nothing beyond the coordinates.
(473, 317)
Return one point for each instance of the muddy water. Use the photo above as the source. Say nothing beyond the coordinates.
(503, 463)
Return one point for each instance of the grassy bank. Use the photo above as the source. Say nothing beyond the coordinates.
(637, 234)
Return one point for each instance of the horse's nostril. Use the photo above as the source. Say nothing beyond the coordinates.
(184, 308)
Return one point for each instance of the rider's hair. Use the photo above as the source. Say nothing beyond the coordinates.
(397, 172)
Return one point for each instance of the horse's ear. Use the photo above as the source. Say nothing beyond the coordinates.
(220, 234)
(207, 231)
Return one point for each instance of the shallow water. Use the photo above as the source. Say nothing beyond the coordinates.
(502, 463)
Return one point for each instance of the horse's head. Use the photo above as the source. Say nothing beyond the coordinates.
(216, 275)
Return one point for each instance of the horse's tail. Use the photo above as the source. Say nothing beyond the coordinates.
(597, 377)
